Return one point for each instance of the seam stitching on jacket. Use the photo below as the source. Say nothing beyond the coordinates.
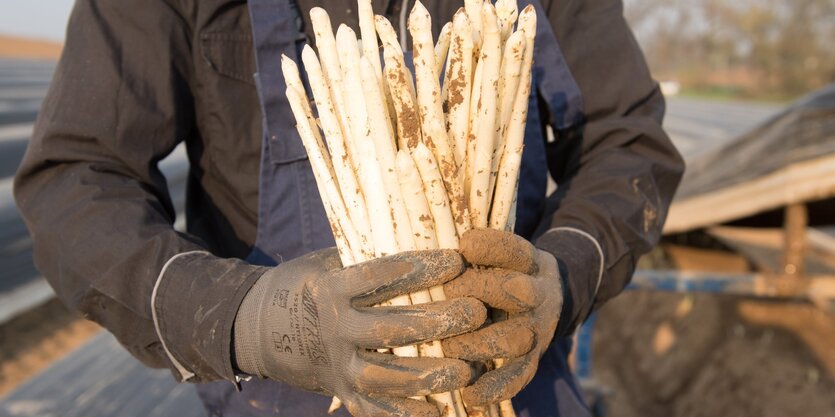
(596, 245)
(185, 374)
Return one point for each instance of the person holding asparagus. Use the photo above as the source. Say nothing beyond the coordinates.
(341, 147)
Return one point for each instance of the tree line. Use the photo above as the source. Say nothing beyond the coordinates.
(751, 48)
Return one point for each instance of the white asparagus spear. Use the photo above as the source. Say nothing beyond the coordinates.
(436, 196)
(514, 54)
(432, 115)
(369, 36)
(473, 8)
(334, 209)
(503, 215)
(508, 12)
(486, 135)
(475, 95)
(408, 119)
(424, 230)
(369, 174)
(511, 220)
(459, 81)
(371, 50)
(326, 44)
(388, 37)
(423, 224)
(343, 168)
(384, 149)
(442, 48)
(527, 23)
(472, 126)
(423, 227)
(293, 80)
(379, 143)
(420, 215)
(391, 114)
(444, 224)
(387, 34)
(508, 175)
(399, 80)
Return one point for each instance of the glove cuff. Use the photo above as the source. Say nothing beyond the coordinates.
(247, 331)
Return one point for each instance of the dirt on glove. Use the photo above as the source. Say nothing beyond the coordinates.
(488, 247)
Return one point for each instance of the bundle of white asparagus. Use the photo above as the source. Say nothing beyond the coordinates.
(428, 159)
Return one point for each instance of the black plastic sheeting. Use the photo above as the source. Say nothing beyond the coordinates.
(803, 132)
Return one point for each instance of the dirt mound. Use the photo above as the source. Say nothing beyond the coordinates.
(21, 48)
(706, 355)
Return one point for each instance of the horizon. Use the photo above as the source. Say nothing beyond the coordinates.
(28, 38)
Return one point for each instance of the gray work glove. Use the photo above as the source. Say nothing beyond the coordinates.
(312, 324)
(509, 274)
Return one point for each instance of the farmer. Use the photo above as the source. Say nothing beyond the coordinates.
(249, 302)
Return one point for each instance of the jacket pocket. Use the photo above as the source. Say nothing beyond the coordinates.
(226, 101)
(283, 143)
(229, 54)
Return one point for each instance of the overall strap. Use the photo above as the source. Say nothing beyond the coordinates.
(553, 85)
(554, 82)
(276, 29)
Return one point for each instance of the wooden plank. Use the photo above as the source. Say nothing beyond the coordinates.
(794, 242)
(696, 259)
(821, 240)
(764, 248)
(806, 181)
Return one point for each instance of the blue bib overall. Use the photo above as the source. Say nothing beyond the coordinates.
(292, 219)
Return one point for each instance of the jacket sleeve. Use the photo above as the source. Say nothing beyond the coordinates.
(98, 207)
(616, 171)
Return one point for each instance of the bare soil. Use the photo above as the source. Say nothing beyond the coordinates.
(31, 342)
(677, 355)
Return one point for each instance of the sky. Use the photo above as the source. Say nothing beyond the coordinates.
(41, 19)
